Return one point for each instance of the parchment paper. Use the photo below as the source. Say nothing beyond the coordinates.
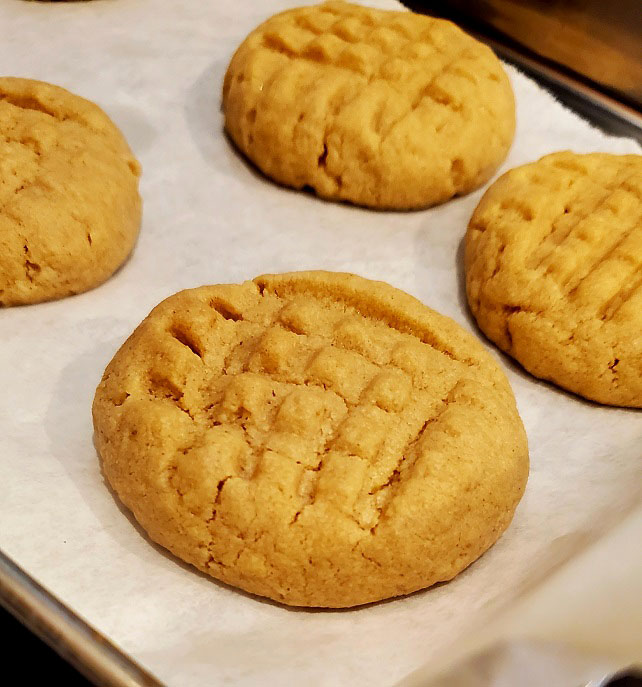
(156, 66)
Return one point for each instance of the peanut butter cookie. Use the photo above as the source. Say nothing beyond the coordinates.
(554, 272)
(69, 204)
(314, 437)
(379, 108)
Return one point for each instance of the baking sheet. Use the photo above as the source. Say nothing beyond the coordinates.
(156, 67)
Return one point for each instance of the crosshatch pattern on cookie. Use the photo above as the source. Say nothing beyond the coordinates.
(294, 378)
(298, 415)
(343, 88)
(559, 241)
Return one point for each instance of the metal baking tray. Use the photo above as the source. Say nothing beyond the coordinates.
(85, 648)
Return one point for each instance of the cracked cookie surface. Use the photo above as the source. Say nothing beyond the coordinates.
(313, 437)
(379, 108)
(554, 272)
(69, 204)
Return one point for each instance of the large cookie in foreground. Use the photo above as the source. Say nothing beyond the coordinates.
(383, 109)
(313, 437)
(554, 272)
(69, 205)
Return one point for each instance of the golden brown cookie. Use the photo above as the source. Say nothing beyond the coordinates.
(554, 272)
(69, 204)
(379, 108)
(313, 437)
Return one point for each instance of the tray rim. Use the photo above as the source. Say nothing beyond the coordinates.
(75, 640)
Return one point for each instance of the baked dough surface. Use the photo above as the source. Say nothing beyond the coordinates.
(313, 437)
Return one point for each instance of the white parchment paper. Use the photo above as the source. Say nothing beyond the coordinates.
(156, 66)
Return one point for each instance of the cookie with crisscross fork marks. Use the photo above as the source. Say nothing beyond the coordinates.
(69, 205)
(554, 272)
(379, 108)
(314, 437)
